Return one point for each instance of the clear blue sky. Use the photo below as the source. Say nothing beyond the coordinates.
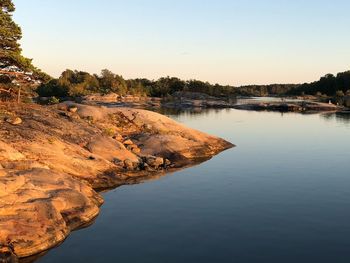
(222, 41)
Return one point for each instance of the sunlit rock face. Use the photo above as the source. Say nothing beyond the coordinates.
(39, 208)
(53, 160)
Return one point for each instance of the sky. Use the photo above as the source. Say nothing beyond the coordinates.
(230, 42)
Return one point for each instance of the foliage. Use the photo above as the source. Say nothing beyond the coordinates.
(329, 85)
(54, 100)
(10, 56)
(78, 83)
(70, 83)
(110, 82)
(109, 131)
(52, 88)
(339, 93)
(10, 34)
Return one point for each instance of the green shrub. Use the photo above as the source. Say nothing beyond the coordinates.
(54, 100)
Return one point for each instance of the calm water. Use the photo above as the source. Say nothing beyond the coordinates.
(282, 195)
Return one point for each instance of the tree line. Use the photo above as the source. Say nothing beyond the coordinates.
(78, 83)
(329, 85)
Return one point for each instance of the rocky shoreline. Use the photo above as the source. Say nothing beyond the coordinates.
(54, 160)
(300, 106)
(194, 100)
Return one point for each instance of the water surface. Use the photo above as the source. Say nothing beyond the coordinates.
(282, 195)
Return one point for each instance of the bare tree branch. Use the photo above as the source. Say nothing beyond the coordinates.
(5, 90)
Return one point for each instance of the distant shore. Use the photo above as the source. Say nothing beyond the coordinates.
(193, 100)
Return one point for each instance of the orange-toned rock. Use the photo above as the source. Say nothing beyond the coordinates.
(50, 164)
(8, 153)
(110, 149)
(128, 142)
(39, 208)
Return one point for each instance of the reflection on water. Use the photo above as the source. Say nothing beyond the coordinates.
(282, 195)
(231, 100)
(341, 117)
(250, 100)
(189, 111)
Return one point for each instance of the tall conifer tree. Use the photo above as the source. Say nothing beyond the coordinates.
(10, 34)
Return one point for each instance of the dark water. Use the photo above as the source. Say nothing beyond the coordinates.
(282, 195)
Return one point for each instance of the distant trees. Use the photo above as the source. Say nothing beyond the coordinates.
(166, 86)
(339, 93)
(267, 90)
(70, 83)
(79, 83)
(137, 88)
(110, 82)
(329, 85)
(52, 89)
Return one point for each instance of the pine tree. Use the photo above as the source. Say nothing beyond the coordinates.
(10, 34)
(10, 54)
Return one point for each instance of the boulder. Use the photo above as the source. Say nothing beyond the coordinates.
(89, 112)
(118, 137)
(73, 109)
(129, 165)
(128, 142)
(110, 149)
(154, 162)
(135, 149)
(14, 120)
(167, 162)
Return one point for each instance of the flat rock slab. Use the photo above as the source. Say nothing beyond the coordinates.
(39, 208)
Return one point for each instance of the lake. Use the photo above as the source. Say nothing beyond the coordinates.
(281, 195)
